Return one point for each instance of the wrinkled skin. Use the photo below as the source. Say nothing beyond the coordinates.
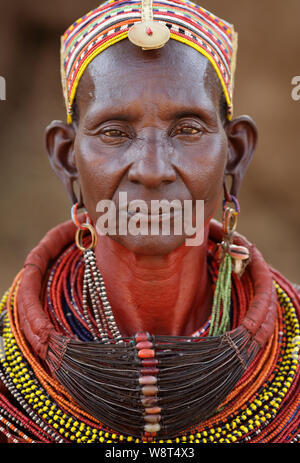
(150, 125)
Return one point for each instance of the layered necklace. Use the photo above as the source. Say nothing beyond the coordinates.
(95, 386)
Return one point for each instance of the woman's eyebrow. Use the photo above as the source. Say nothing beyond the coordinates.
(127, 113)
(134, 111)
(177, 111)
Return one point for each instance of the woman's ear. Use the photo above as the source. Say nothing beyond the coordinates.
(242, 139)
(60, 139)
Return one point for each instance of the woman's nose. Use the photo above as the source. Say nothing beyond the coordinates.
(153, 166)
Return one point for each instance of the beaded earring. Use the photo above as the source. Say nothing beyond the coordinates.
(232, 258)
(94, 289)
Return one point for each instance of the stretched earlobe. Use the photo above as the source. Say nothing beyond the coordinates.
(60, 139)
(242, 140)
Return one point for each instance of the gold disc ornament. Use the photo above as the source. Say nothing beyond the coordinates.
(148, 34)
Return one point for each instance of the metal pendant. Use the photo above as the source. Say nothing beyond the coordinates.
(149, 35)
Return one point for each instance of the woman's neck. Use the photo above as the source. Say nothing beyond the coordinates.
(166, 295)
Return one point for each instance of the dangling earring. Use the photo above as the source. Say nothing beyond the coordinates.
(232, 258)
(103, 327)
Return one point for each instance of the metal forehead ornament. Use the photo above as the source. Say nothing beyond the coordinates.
(149, 34)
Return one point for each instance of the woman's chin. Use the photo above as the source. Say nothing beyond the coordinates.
(151, 245)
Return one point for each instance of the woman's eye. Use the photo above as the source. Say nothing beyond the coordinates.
(114, 133)
(187, 131)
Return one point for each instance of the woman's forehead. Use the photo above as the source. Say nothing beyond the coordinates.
(124, 70)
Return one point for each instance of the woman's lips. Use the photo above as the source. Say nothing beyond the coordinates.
(158, 215)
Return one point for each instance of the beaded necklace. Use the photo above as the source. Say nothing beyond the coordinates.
(263, 407)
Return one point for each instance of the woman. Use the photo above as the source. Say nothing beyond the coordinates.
(141, 337)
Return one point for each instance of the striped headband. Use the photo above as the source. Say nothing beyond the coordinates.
(149, 25)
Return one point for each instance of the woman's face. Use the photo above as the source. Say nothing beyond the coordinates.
(150, 126)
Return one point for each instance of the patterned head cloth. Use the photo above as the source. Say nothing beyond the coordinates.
(149, 25)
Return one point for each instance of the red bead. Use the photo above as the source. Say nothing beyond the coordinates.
(139, 337)
(144, 345)
(150, 371)
(147, 439)
(149, 362)
(146, 353)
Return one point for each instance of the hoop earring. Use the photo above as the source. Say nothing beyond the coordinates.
(82, 227)
(232, 258)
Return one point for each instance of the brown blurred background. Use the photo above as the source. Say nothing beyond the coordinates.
(32, 199)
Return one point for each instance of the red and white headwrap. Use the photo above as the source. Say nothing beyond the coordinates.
(150, 25)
